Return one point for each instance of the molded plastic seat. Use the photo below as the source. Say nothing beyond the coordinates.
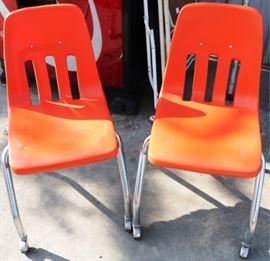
(63, 126)
(211, 136)
(190, 135)
(209, 127)
(63, 133)
(74, 134)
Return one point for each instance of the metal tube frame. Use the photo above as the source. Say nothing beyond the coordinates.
(14, 206)
(254, 211)
(147, 29)
(5, 131)
(161, 36)
(138, 189)
(154, 68)
(125, 185)
(13, 201)
(151, 54)
(167, 26)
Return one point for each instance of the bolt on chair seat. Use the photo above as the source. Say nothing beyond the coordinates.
(210, 127)
(58, 128)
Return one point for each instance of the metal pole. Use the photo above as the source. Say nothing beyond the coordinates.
(151, 53)
(167, 26)
(161, 36)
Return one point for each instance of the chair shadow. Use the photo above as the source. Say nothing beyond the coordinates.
(192, 188)
(209, 234)
(40, 254)
(94, 201)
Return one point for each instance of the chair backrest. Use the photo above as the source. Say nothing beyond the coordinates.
(49, 33)
(227, 32)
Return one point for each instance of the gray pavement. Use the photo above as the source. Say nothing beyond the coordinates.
(77, 214)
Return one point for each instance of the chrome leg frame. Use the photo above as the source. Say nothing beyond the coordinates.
(13, 202)
(138, 189)
(254, 212)
(125, 185)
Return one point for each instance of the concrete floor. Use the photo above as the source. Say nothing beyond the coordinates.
(77, 214)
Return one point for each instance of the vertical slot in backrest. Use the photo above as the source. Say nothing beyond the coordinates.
(232, 81)
(50, 61)
(41, 39)
(73, 77)
(211, 75)
(200, 76)
(242, 43)
(32, 82)
(190, 63)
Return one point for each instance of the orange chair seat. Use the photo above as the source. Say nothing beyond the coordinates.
(74, 134)
(205, 138)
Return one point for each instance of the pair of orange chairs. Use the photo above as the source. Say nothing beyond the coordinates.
(197, 135)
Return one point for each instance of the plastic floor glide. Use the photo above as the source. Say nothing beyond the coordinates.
(212, 130)
(51, 132)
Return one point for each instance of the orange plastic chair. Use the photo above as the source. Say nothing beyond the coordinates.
(211, 136)
(55, 133)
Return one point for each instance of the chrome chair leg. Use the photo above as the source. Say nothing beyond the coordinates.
(254, 211)
(138, 189)
(125, 185)
(13, 202)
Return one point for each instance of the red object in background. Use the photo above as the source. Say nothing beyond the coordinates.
(5, 8)
(104, 20)
(110, 63)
